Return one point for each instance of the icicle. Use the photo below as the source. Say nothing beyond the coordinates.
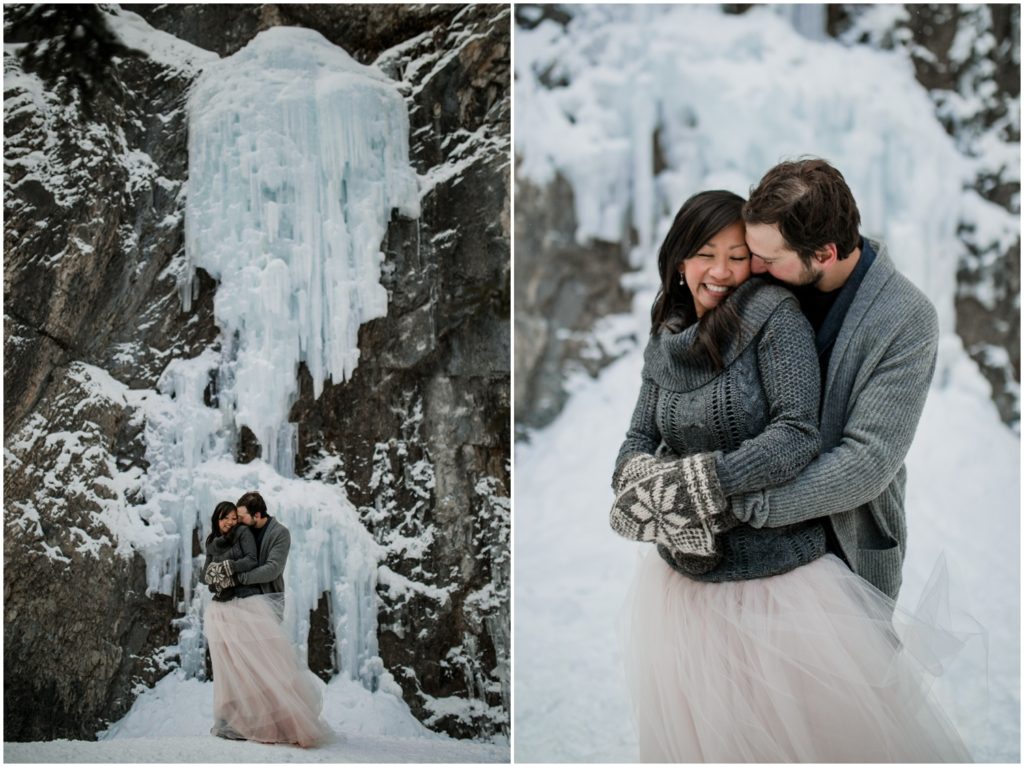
(809, 19)
(298, 154)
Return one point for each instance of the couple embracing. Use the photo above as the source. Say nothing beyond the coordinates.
(787, 369)
(261, 689)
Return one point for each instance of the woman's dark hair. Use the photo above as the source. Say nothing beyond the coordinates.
(811, 204)
(222, 510)
(702, 217)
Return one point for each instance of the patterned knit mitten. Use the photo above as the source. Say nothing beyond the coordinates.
(217, 572)
(650, 507)
(691, 564)
(702, 494)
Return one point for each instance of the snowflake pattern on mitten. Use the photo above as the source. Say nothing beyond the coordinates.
(677, 503)
(218, 574)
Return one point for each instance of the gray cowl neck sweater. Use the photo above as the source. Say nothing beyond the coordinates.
(758, 416)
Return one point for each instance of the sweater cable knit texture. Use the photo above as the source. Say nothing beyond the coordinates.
(758, 416)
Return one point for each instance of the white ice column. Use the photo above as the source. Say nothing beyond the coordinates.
(643, 115)
(297, 156)
(809, 19)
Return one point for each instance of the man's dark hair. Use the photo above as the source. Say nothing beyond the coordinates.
(254, 502)
(811, 204)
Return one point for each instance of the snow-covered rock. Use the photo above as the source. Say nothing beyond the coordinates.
(396, 429)
(968, 57)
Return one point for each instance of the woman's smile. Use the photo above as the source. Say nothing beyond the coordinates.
(717, 268)
(710, 295)
(719, 289)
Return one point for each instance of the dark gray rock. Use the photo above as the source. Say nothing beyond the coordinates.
(562, 289)
(219, 27)
(364, 30)
(80, 631)
(321, 641)
(88, 277)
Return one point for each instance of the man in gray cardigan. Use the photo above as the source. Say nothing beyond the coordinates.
(877, 340)
(272, 542)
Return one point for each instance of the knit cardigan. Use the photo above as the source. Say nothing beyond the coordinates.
(268, 575)
(758, 416)
(877, 382)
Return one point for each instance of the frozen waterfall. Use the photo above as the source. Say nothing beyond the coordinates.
(297, 157)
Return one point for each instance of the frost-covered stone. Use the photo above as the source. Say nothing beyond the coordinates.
(76, 607)
(415, 431)
(89, 296)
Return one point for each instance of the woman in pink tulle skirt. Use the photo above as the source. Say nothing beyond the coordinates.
(750, 644)
(261, 690)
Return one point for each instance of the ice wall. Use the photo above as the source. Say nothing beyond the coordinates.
(727, 97)
(809, 19)
(297, 156)
(190, 452)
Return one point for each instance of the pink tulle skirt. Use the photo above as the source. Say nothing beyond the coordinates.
(261, 691)
(800, 667)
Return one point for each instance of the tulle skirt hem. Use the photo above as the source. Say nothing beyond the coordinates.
(801, 667)
(261, 690)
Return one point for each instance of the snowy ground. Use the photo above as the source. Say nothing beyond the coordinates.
(358, 748)
(172, 722)
(572, 572)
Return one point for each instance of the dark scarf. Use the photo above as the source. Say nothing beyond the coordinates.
(826, 336)
(258, 533)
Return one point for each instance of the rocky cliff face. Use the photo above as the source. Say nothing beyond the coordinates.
(968, 57)
(92, 224)
(420, 437)
(562, 289)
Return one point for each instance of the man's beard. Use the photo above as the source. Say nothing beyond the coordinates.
(808, 278)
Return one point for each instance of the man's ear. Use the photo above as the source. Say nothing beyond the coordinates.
(826, 255)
